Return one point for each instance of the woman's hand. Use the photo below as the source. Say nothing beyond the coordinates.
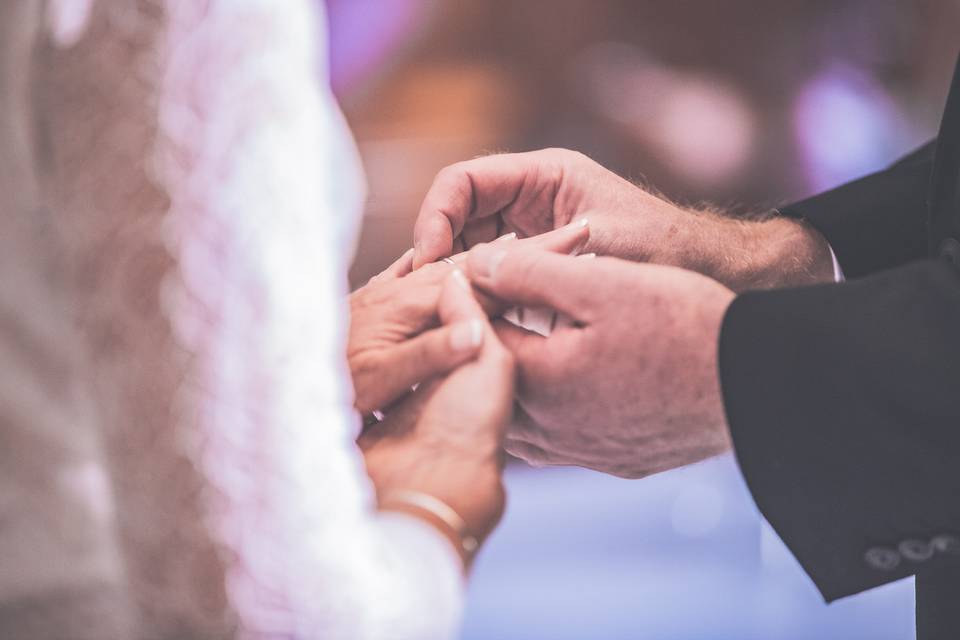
(445, 439)
(395, 338)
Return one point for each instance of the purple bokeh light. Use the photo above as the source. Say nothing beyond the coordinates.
(846, 125)
(363, 33)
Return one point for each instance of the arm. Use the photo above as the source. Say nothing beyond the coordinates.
(532, 193)
(843, 406)
(873, 223)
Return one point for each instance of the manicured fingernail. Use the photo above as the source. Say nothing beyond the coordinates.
(488, 260)
(466, 336)
(507, 238)
(579, 225)
(460, 279)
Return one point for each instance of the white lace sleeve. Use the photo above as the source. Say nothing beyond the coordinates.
(250, 156)
(207, 180)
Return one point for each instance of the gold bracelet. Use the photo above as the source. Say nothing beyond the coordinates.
(439, 509)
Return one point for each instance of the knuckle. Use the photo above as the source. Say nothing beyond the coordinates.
(451, 174)
(433, 273)
(567, 156)
(525, 265)
(413, 303)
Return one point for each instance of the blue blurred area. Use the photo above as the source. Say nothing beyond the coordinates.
(683, 555)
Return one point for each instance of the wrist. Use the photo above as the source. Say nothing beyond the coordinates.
(766, 254)
(471, 487)
(441, 516)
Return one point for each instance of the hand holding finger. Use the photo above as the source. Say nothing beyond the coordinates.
(430, 354)
(398, 269)
(470, 191)
(536, 278)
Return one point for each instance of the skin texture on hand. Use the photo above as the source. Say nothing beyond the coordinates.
(631, 387)
(531, 193)
(396, 339)
(446, 439)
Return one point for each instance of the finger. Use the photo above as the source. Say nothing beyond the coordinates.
(537, 279)
(542, 362)
(528, 348)
(398, 269)
(434, 275)
(402, 266)
(537, 456)
(568, 239)
(424, 357)
(467, 190)
(528, 452)
(482, 389)
(480, 230)
(460, 258)
(523, 427)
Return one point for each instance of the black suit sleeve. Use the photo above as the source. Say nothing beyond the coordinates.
(843, 402)
(876, 222)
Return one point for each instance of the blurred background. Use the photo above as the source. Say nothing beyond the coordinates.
(744, 102)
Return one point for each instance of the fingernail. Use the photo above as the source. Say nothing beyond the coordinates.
(488, 260)
(460, 279)
(583, 223)
(587, 255)
(466, 336)
(507, 238)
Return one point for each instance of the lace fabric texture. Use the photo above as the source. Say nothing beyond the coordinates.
(185, 404)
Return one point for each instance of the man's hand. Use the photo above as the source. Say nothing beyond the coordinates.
(631, 387)
(530, 193)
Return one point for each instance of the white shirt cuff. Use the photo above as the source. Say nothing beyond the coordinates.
(837, 271)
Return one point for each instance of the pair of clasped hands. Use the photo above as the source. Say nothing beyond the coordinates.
(627, 385)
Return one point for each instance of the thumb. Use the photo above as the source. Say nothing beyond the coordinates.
(430, 354)
(535, 278)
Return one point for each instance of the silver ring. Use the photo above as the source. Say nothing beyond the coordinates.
(448, 261)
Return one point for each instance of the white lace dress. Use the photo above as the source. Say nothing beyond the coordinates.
(177, 453)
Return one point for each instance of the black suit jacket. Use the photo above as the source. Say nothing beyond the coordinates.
(844, 400)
